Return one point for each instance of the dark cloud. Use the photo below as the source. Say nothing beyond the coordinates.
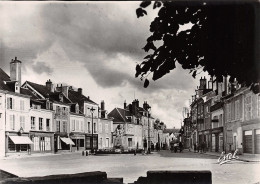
(41, 67)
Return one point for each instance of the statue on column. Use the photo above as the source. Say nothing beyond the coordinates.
(119, 135)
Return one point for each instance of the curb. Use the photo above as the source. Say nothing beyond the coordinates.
(240, 159)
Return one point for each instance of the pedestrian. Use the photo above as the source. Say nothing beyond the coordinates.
(195, 147)
(181, 146)
(204, 147)
(198, 147)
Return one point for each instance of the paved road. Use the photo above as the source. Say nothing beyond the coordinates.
(130, 167)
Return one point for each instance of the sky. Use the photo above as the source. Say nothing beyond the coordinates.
(94, 46)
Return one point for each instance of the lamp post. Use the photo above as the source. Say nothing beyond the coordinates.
(92, 136)
(149, 142)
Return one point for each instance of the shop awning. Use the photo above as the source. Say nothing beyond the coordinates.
(67, 140)
(21, 140)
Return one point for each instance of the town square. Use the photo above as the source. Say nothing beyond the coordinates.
(130, 89)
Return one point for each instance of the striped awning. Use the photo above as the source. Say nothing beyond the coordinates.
(21, 139)
(67, 140)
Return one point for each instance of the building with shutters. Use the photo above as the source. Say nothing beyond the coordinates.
(250, 125)
(17, 107)
(105, 129)
(58, 102)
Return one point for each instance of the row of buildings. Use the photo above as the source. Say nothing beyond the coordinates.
(36, 118)
(225, 116)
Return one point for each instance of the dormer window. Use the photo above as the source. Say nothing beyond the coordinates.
(17, 88)
(61, 97)
(77, 108)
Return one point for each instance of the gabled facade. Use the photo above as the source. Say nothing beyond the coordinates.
(57, 101)
(127, 130)
(18, 105)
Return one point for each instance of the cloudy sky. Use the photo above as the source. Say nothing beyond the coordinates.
(92, 45)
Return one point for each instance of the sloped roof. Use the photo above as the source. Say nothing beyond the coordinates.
(43, 90)
(4, 77)
(119, 115)
(55, 96)
(28, 92)
(76, 97)
(40, 88)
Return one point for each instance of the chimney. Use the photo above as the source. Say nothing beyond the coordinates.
(145, 105)
(203, 83)
(65, 90)
(103, 111)
(15, 71)
(134, 107)
(102, 105)
(137, 103)
(125, 104)
(80, 91)
(49, 85)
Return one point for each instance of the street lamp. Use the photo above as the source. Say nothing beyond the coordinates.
(92, 136)
(149, 143)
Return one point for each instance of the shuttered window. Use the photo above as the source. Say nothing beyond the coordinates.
(12, 122)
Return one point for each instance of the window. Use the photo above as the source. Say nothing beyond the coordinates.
(73, 124)
(57, 110)
(12, 122)
(77, 124)
(100, 128)
(64, 111)
(47, 143)
(64, 126)
(40, 123)
(21, 105)
(88, 127)
(58, 126)
(220, 120)
(237, 109)
(33, 123)
(107, 142)
(95, 128)
(77, 108)
(36, 144)
(48, 125)
(81, 125)
(10, 103)
(22, 122)
(130, 142)
(106, 128)
(228, 112)
(248, 108)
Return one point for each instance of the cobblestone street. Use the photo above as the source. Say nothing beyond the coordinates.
(130, 167)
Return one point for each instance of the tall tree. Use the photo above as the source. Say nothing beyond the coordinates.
(223, 40)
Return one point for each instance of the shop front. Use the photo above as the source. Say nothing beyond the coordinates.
(18, 143)
(217, 143)
(88, 141)
(43, 142)
(251, 137)
(78, 140)
(62, 143)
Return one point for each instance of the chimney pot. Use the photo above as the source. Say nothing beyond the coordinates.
(80, 90)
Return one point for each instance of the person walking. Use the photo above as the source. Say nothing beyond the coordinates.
(195, 147)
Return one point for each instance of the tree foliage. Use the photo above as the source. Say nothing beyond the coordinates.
(222, 41)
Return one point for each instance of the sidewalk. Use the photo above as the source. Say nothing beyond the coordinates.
(35, 155)
(244, 157)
